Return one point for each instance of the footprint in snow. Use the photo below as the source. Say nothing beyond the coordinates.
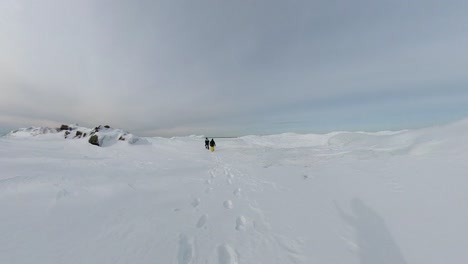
(62, 194)
(237, 192)
(202, 221)
(228, 173)
(227, 255)
(195, 202)
(213, 175)
(228, 204)
(240, 223)
(186, 251)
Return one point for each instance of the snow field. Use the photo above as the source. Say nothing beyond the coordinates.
(344, 197)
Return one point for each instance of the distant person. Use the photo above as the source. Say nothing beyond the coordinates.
(207, 143)
(212, 145)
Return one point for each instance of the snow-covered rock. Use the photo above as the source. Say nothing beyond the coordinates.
(103, 136)
(32, 131)
(107, 136)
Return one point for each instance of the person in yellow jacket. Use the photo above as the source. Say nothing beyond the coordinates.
(212, 145)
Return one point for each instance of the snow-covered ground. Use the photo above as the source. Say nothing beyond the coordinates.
(340, 198)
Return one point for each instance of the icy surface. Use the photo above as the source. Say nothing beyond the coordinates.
(344, 197)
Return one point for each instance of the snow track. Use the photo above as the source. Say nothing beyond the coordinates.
(227, 227)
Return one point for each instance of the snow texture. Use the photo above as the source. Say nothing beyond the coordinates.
(343, 197)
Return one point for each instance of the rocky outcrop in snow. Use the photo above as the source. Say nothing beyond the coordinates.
(105, 136)
(102, 136)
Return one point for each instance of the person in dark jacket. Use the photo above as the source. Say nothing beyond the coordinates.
(207, 143)
(212, 145)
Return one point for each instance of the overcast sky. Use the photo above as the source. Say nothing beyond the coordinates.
(223, 68)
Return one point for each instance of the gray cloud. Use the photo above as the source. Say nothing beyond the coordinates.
(228, 67)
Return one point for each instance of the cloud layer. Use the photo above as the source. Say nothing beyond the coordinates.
(230, 68)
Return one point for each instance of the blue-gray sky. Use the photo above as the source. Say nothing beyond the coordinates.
(233, 67)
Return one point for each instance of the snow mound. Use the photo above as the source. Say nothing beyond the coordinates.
(286, 140)
(31, 132)
(108, 136)
(367, 144)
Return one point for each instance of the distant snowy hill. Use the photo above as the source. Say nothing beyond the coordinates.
(344, 197)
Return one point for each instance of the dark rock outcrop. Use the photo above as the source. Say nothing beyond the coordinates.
(78, 134)
(94, 140)
(64, 127)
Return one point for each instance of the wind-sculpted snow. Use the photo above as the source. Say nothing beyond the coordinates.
(288, 140)
(343, 197)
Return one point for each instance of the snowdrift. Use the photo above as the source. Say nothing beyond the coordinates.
(415, 142)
